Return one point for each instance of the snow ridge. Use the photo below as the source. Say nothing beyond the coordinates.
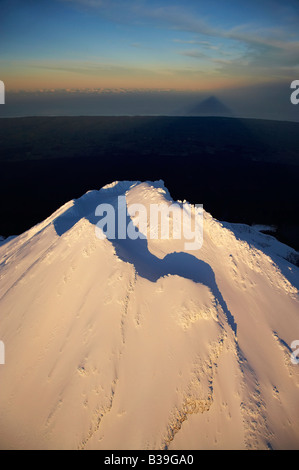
(139, 344)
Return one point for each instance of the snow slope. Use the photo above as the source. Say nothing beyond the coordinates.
(140, 345)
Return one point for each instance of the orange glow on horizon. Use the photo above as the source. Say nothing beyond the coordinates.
(34, 79)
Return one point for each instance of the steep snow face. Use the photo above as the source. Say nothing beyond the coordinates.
(123, 344)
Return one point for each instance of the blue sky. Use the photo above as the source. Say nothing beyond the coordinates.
(190, 45)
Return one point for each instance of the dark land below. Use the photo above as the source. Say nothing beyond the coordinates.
(241, 170)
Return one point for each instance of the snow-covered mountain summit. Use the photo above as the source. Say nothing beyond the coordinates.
(140, 344)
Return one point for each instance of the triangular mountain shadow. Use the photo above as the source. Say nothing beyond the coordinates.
(211, 106)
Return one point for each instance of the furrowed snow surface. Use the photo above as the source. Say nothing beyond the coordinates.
(140, 345)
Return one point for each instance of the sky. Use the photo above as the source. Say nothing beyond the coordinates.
(147, 45)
